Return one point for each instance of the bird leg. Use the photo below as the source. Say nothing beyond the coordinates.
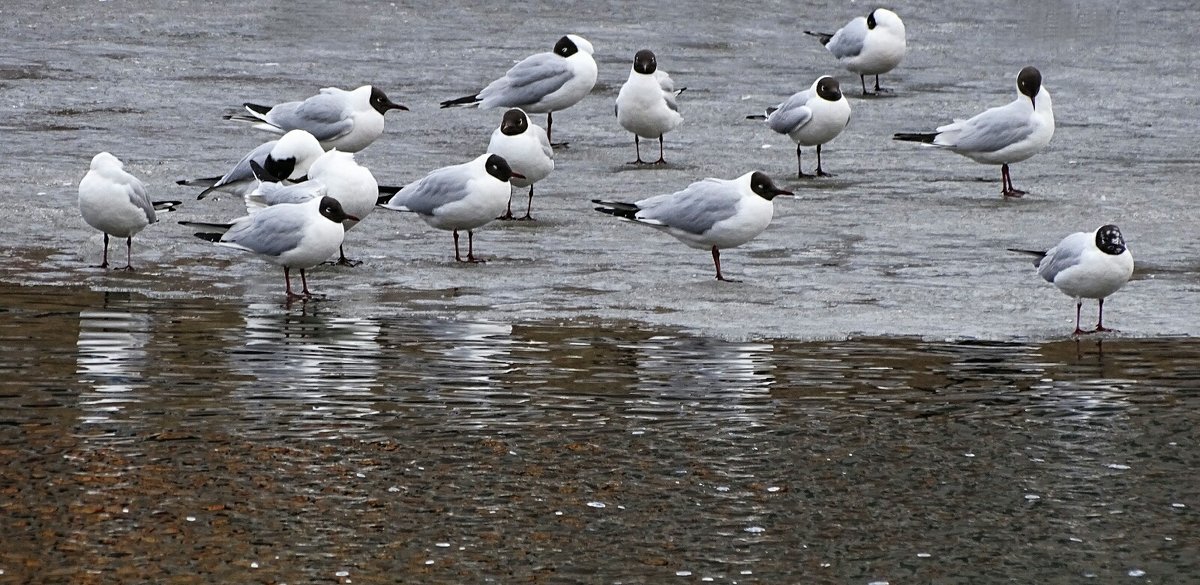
(800, 166)
(821, 173)
(880, 89)
(661, 160)
(549, 125)
(457, 258)
(287, 281)
(104, 263)
(528, 206)
(863, 79)
(304, 282)
(343, 260)
(1078, 306)
(470, 249)
(128, 253)
(716, 253)
(1007, 190)
(637, 148)
(508, 212)
(1100, 320)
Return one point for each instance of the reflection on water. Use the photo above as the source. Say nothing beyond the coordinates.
(305, 444)
(111, 356)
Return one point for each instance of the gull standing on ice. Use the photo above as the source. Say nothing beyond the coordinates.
(870, 45)
(115, 202)
(335, 174)
(708, 215)
(459, 197)
(1002, 135)
(541, 83)
(287, 158)
(346, 120)
(646, 103)
(292, 235)
(811, 118)
(1090, 265)
(526, 148)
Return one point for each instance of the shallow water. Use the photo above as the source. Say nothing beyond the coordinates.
(888, 397)
(199, 441)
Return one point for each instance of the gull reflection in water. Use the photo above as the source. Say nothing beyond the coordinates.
(318, 372)
(718, 381)
(110, 361)
(459, 371)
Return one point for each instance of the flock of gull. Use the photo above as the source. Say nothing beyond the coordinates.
(305, 190)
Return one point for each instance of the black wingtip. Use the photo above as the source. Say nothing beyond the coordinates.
(166, 205)
(925, 137)
(262, 174)
(462, 101)
(209, 236)
(823, 37)
(390, 189)
(257, 108)
(1037, 254)
(617, 208)
(384, 198)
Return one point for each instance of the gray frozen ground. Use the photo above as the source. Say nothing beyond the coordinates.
(903, 241)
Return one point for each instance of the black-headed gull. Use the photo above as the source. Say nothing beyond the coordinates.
(541, 83)
(1086, 265)
(346, 120)
(1002, 135)
(292, 235)
(334, 173)
(646, 103)
(115, 202)
(811, 118)
(708, 215)
(868, 45)
(287, 158)
(526, 148)
(459, 197)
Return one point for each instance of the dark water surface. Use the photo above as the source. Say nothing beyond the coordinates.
(184, 441)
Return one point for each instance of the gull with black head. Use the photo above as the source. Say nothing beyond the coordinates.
(646, 104)
(1086, 265)
(291, 235)
(868, 45)
(811, 117)
(346, 120)
(459, 197)
(1002, 135)
(709, 214)
(542, 83)
(526, 148)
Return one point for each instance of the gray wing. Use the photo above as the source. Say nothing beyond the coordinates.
(989, 131)
(138, 197)
(791, 114)
(270, 232)
(534, 78)
(242, 171)
(547, 149)
(848, 40)
(443, 186)
(322, 115)
(277, 193)
(1063, 256)
(668, 87)
(695, 209)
